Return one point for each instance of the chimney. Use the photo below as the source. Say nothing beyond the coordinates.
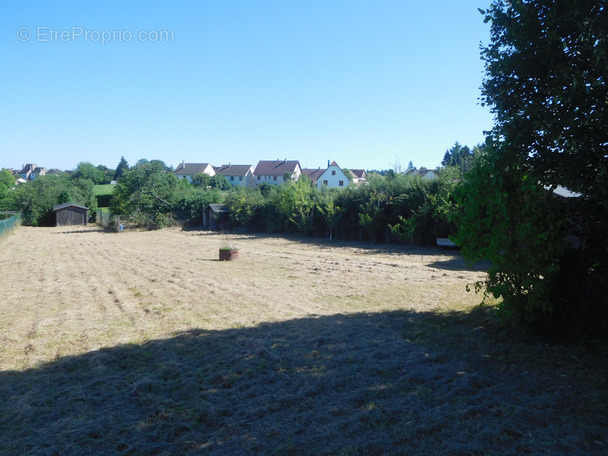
(328, 163)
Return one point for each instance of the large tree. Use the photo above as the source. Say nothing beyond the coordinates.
(7, 182)
(122, 167)
(546, 83)
(86, 170)
(148, 187)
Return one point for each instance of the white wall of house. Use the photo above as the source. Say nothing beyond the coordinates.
(333, 177)
(185, 174)
(272, 180)
(277, 179)
(242, 181)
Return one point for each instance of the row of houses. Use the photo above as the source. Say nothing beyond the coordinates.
(274, 172)
(267, 171)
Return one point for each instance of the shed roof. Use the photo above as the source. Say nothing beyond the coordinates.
(218, 208)
(66, 205)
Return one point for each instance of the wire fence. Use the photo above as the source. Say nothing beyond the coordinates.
(9, 222)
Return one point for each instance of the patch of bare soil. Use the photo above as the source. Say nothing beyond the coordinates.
(144, 343)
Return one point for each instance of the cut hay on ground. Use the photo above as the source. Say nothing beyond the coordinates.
(144, 343)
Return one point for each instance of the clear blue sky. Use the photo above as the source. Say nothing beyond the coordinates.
(364, 83)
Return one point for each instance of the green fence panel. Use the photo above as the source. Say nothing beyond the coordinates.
(8, 224)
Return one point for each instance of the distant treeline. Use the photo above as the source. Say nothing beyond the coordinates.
(390, 207)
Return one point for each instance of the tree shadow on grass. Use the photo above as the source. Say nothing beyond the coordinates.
(458, 263)
(386, 383)
(322, 243)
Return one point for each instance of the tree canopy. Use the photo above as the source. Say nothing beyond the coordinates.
(122, 167)
(149, 187)
(546, 83)
(546, 69)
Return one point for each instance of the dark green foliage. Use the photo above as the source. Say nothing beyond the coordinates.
(7, 182)
(148, 187)
(376, 211)
(86, 170)
(511, 220)
(36, 199)
(546, 83)
(192, 201)
(201, 180)
(122, 167)
(151, 188)
(220, 182)
(458, 156)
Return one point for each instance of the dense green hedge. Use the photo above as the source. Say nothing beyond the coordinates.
(392, 208)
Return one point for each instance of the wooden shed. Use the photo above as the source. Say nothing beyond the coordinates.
(215, 216)
(69, 214)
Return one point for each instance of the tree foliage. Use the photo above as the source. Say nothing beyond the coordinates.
(123, 166)
(371, 212)
(7, 182)
(147, 187)
(36, 199)
(86, 170)
(546, 84)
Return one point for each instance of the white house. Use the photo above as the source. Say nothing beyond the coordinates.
(275, 171)
(333, 177)
(237, 175)
(359, 176)
(187, 170)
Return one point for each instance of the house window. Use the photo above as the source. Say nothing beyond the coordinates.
(325, 183)
(341, 184)
(333, 173)
(274, 178)
(231, 178)
(240, 178)
(259, 177)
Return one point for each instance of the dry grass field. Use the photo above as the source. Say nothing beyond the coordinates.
(144, 343)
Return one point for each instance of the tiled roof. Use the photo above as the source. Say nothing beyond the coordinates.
(190, 168)
(275, 167)
(313, 174)
(233, 170)
(359, 173)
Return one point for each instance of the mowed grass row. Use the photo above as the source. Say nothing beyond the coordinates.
(143, 343)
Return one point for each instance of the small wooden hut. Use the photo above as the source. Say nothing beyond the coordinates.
(215, 216)
(70, 214)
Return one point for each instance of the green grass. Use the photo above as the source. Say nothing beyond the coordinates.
(102, 190)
